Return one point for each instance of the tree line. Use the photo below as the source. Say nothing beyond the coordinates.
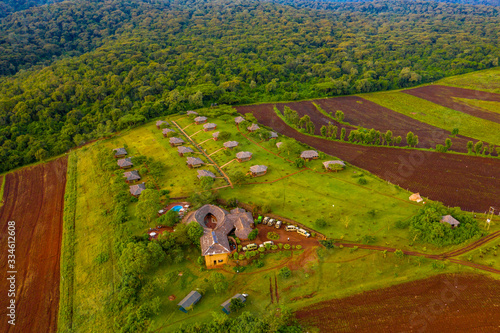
(77, 71)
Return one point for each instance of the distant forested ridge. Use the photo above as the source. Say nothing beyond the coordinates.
(8, 7)
(308, 3)
(74, 71)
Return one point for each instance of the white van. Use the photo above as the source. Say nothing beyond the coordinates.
(291, 228)
(278, 224)
(303, 232)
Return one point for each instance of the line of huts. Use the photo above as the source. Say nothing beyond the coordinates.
(130, 176)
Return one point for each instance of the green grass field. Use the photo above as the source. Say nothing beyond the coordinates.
(486, 105)
(351, 210)
(2, 186)
(487, 80)
(437, 115)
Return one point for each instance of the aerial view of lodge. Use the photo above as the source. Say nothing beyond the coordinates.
(252, 166)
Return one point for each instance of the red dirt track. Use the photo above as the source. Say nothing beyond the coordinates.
(442, 95)
(34, 199)
(445, 303)
(456, 180)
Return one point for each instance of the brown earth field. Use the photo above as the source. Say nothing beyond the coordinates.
(443, 95)
(34, 199)
(443, 303)
(364, 113)
(469, 182)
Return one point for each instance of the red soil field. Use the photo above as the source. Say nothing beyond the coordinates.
(444, 303)
(469, 182)
(34, 199)
(442, 95)
(361, 112)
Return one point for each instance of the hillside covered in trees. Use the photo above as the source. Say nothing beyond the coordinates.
(79, 70)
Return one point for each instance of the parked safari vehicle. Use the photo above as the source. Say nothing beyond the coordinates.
(291, 228)
(250, 247)
(264, 221)
(278, 224)
(268, 242)
(271, 222)
(303, 232)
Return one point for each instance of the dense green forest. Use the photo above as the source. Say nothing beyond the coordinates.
(75, 71)
(8, 7)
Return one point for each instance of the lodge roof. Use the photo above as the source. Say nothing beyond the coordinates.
(175, 140)
(132, 175)
(184, 150)
(120, 151)
(137, 189)
(209, 126)
(194, 161)
(230, 144)
(239, 119)
(190, 299)
(253, 127)
(200, 119)
(243, 154)
(124, 162)
(328, 163)
(309, 154)
(258, 168)
(205, 173)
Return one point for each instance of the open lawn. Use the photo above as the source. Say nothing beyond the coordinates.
(487, 80)
(437, 115)
(492, 106)
(147, 140)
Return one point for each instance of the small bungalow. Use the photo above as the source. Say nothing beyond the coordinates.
(189, 301)
(120, 152)
(309, 155)
(334, 165)
(136, 190)
(239, 120)
(215, 135)
(205, 173)
(258, 170)
(131, 176)
(161, 122)
(273, 135)
(184, 150)
(165, 132)
(230, 144)
(226, 306)
(192, 113)
(125, 163)
(450, 220)
(278, 144)
(175, 141)
(253, 128)
(209, 127)
(244, 156)
(194, 162)
(200, 120)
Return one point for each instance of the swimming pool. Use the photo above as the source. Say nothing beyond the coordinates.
(176, 208)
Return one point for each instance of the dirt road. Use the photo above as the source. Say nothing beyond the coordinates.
(34, 199)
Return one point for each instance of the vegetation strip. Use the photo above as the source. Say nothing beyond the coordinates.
(418, 254)
(65, 318)
(2, 187)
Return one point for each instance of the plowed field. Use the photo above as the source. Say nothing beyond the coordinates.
(446, 303)
(34, 199)
(456, 180)
(361, 112)
(442, 95)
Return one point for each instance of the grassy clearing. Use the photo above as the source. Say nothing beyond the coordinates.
(147, 140)
(372, 209)
(437, 115)
(93, 283)
(65, 317)
(347, 271)
(487, 80)
(486, 105)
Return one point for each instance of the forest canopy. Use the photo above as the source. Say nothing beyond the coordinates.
(74, 71)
